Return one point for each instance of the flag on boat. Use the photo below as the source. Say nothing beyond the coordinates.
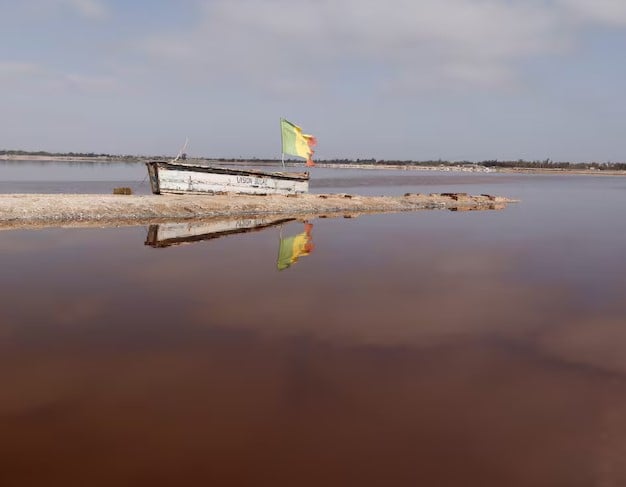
(292, 248)
(296, 143)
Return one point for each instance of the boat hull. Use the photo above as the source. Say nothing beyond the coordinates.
(176, 178)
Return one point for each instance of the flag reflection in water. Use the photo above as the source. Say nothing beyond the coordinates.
(294, 247)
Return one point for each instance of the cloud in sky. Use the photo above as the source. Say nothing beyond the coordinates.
(89, 8)
(15, 70)
(612, 12)
(451, 40)
(32, 77)
(86, 9)
(441, 69)
(423, 42)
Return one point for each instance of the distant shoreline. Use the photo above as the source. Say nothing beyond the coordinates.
(37, 158)
(478, 169)
(448, 167)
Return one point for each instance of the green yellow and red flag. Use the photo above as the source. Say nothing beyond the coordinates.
(296, 143)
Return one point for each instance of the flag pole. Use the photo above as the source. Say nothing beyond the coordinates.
(282, 145)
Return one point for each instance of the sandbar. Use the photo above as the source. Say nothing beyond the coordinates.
(60, 210)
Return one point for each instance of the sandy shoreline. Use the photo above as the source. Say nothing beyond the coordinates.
(55, 210)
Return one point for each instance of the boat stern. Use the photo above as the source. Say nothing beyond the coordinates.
(153, 175)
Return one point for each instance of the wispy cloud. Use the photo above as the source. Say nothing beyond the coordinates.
(468, 42)
(611, 12)
(90, 84)
(16, 70)
(90, 9)
(33, 76)
(550, 61)
(94, 9)
(452, 40)
(18, 76)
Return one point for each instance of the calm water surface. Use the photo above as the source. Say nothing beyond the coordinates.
(432, 348)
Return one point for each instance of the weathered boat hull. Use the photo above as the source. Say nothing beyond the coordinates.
(178, 178)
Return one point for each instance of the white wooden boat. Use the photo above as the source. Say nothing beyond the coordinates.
(184, 178)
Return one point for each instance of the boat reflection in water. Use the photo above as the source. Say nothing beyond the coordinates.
(289, 251)
(168, 234)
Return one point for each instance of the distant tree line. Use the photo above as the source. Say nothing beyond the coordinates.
(51, 154)
(519, 164)
(492, 163)
(82, 155)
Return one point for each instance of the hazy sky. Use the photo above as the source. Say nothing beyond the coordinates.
(408, 79)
